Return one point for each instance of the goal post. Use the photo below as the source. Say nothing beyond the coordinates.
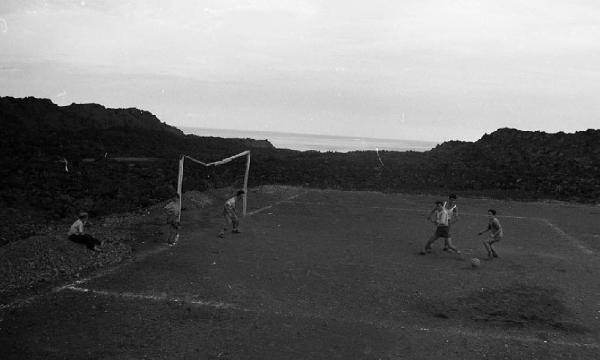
(216, 163)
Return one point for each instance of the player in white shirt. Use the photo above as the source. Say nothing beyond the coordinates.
(230, 214)
(439, 216)
(77, 234)
(452, 209)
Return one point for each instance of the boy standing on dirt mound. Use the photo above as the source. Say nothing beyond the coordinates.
(440, 218)
(230, 215)
(496, 233)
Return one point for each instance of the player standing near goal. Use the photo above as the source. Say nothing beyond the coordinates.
(496, 233)
(172, 210)
(452, 209)
(230, 215)
(440, 218)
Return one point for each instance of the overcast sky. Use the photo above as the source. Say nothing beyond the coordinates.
(413, 69)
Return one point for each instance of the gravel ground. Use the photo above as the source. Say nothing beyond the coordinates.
(33, 264)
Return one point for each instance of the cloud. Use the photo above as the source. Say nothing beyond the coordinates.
(34, 6)
(335, 62)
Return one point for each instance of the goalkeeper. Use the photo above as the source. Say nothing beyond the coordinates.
(230, 215)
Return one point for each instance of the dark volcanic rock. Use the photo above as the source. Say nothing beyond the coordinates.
(43, 114)
(56, 161)
(533, 163)
(122, 159)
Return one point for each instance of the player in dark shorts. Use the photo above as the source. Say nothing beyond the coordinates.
(496, 233)
(442, 230)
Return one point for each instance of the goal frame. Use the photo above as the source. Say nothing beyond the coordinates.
(216, 163)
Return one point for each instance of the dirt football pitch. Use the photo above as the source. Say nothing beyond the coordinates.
(318, 274)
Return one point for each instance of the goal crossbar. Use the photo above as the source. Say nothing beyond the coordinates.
(220, 162)
(215, 163)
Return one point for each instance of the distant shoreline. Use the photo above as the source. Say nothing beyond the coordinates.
(315, 142)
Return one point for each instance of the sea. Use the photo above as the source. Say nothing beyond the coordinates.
(321, 143)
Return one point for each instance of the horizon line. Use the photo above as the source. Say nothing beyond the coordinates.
(181, 127)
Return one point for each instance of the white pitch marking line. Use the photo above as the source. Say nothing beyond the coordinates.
(129, 295)
(554, 227)
(411, 210)
(224, 305)
(22, 302)
(570, 238)
(259, 210)
(461, 213)
(276, 203)
(111, 270)
(18, 303)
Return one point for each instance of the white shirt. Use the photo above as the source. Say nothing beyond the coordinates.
(230, 203)
(441, 217)
(451, 211)
(76, 228)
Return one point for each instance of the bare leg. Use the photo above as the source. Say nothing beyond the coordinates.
(235, 223)
(174, 235)
(493, 252)
(431, 240)
(451, 246)
(487, 247)
(446, 246)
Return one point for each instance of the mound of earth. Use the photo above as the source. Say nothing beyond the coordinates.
(37, 260)
(50, 258)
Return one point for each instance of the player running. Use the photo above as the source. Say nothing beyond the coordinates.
(440, 218)
(496, 233)
(230, 215)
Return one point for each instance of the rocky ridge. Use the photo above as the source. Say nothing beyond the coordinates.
(56, 161)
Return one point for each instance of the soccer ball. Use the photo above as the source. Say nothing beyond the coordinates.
(475, 263)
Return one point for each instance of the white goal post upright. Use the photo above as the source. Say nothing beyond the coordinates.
(246, 181)
(216, 163)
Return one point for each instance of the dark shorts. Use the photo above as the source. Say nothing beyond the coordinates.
(86, 239)
(442, 232)
(495, 237)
